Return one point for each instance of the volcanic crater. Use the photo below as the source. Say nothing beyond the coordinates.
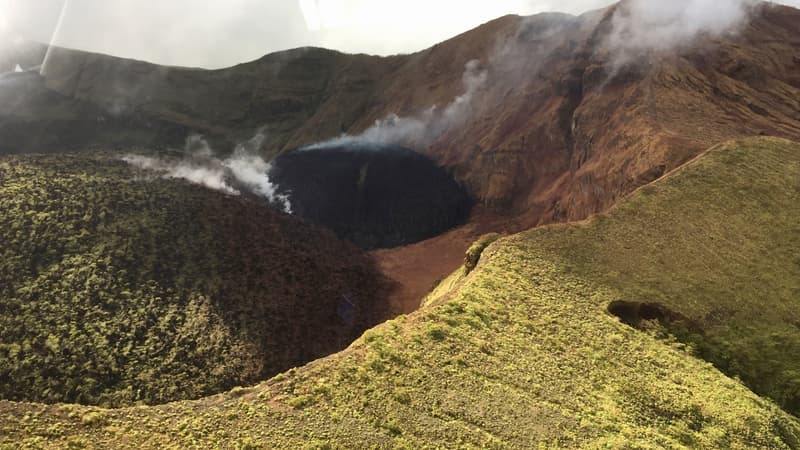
(376, 196)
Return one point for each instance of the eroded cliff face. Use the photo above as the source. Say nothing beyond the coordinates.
(560, 128)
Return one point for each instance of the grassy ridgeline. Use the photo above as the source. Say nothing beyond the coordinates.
(116, 289)
(522, 353)
(718, 243)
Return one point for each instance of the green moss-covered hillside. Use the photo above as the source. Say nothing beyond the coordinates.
(117, 289)
(523, 353)
(718, 243)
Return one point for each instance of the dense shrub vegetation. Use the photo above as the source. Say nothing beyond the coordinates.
(522, 353)
(116, 288)
(718, 243)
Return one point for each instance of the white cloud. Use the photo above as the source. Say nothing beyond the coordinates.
(312, 14)
(217, 33)
(389, 27)
(645, 24)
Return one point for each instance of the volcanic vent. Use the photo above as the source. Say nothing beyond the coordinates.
(377, 196)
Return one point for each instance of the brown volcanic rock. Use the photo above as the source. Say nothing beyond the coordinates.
(569, 139)
(558, 132)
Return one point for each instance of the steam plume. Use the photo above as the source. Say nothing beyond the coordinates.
(424, 127)
(637, 26)
(241, 170)
(660, 25)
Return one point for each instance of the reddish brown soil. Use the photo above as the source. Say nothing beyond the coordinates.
(418, 268)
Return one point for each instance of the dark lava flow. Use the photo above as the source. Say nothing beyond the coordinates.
(376, 196)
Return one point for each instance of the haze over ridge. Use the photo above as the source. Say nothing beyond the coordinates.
(218, 34)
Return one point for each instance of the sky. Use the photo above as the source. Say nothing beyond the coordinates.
(221, 33)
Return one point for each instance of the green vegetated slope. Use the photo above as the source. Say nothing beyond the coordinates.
(717, 243)
(522, 352)
(116, 289)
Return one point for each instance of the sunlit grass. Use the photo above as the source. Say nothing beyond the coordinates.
(521, 352)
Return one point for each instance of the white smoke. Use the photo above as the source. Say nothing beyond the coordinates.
(186, 169)
(660, 25)
(473, 79)
(637, 25)
(425, 126)
(252, 171)
(200, 166)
